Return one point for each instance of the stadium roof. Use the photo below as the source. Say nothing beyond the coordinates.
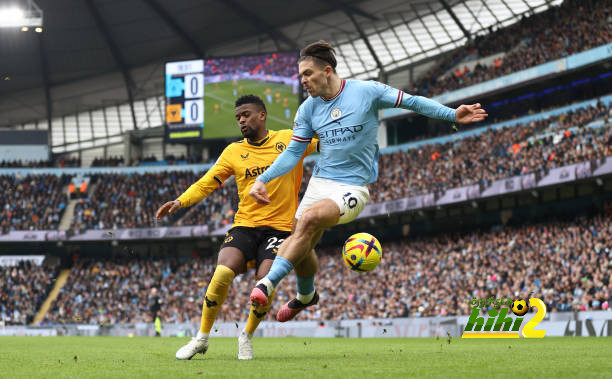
(123, 44)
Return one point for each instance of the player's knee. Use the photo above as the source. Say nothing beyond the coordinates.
(309, 222)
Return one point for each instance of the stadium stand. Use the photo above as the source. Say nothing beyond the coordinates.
(494, 154)
(107, 162)
(560, 31)
(122, 201)
(34, 202)
(23, 288)
(430, 276)
(430, 166)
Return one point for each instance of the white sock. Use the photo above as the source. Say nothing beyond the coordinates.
(268, 283)
(201, 335)
(305, 299)
(249, 335)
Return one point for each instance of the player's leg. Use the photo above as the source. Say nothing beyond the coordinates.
(269, 240)
(307, 295)
(351, 200)
(258, 312)
(320, 216)
(256, 315)
(305, 272)
(231, 261)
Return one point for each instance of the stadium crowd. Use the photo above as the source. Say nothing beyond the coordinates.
(281, 64)
(494, 154)
(114, 161)
(430, 276)
(57, 162)
(122, 201)
(23, 288)
(572, 27)
(33, 202)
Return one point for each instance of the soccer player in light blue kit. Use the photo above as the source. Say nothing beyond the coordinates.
(344, 114)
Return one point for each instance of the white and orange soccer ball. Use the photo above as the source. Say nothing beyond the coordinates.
(361, 252)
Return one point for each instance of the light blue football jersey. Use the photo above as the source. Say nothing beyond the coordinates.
(347, 126)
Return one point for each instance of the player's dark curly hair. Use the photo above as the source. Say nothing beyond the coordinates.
(251, 99)
(321, 52)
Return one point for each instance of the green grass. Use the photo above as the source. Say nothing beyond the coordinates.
(222, 123)
(307, 358)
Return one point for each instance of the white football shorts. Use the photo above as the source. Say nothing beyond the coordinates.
(350, 199)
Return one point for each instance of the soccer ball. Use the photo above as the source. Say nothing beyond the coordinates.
(519, 307)
(361, 252)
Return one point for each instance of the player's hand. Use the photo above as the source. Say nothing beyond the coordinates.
(466, 114)
(258, 192)
(168, 208)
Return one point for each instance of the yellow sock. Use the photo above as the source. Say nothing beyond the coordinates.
(257, 314)
(215, 296)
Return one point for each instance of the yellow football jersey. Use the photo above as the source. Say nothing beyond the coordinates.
(247, 160)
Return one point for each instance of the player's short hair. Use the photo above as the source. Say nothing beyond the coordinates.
(321, 52)
(251, 99)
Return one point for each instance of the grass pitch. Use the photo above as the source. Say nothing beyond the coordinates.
(221, 122)
(307, 358)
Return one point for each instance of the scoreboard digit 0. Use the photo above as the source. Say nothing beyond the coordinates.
(184, 100)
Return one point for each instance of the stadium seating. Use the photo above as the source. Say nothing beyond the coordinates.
(34, 202)
(569, 28)
(121, 201)
(128, 201)
(23, 289)
(494, 154)
(433, 276)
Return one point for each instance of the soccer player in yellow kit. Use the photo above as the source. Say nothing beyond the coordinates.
(258, 230)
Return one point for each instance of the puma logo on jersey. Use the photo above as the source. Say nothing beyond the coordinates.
(209, 303)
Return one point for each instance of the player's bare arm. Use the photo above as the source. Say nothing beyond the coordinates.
(466, 114)
(167, 209)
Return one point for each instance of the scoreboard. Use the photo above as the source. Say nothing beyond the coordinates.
(184, 100)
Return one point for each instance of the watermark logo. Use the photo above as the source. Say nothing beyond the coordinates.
(500, 323)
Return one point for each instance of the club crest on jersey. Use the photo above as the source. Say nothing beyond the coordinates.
(280, 147)
(335, 114)
(244, 156)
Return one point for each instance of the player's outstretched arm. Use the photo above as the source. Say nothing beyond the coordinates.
(168, 208)
(392, 97)
(212, 180)
(466, 114)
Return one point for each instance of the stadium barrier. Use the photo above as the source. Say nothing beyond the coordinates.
(88, 171)
(519, 183)
(113, 234)
(558, 324)
(568, 63)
